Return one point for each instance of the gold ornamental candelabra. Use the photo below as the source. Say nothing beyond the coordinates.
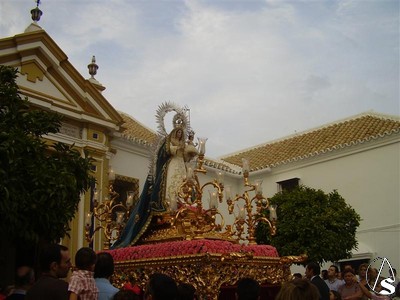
(196, 222)
(111, 215)
(191, 216)
(248, 214)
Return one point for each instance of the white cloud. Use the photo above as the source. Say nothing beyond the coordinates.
(249, 71)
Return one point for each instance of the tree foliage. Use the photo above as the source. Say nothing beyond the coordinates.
(311, 222)
(40, 184)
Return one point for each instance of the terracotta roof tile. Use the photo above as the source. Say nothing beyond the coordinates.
(134, 130)
(342, 134)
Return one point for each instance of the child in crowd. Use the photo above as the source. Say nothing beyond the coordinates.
(82, 285)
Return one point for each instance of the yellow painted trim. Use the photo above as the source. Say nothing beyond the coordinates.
(32, 70)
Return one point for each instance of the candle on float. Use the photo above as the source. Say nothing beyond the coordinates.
(272, 212)
(129, 199)
(245, 167)
(120, 217)
(96, 196)
(111, 175)
(241, 214)
(213, 200)
(202, 145)
(228, 194)
(258, 186)
(220, 176)
(88, 219)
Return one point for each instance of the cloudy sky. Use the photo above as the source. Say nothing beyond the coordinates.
(250, 71)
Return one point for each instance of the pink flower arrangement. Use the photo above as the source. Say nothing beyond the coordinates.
(180, 248)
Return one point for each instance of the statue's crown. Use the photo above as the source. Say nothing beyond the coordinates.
(178, 121)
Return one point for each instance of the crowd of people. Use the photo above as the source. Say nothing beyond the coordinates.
(90, 280)
(338, 285)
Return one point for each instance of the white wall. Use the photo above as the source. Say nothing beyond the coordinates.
(368, 178)
(130, 160)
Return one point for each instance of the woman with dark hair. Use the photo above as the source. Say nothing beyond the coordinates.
(351, 289)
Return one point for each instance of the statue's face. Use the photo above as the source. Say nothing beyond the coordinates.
(179, 133)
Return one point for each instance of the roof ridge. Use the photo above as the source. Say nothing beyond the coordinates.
(137, 121)
(135, 139)
(314, 129)
(222, 165)
(332, 148)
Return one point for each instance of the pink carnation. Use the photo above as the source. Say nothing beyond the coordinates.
(179, 248)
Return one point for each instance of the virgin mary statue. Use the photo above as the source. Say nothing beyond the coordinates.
(167, 172)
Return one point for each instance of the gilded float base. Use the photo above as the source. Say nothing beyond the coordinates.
(165, 227)
(207, 272)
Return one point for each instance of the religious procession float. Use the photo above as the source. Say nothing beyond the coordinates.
(176, 228)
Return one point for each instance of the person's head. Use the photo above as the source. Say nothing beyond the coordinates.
(339, 275)
(161, 287)
(179, 133)
(372, 273)
(362, 270)
(333, 271)
(348, 276)
(392, 272)
(85, 259)
(55, 260)
(312, 269)
(348, 267)
(186, 291)
(24, 277)
(297, 276)
(247, 289)
(378, 286)
(397, 290)
(334, 295)
(298, 289)
(324, 274)
(126, 295)
(104, 267)
(191, 135)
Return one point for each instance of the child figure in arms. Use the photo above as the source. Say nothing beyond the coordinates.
(190, 149)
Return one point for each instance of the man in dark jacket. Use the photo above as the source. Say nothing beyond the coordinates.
(312, 273)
